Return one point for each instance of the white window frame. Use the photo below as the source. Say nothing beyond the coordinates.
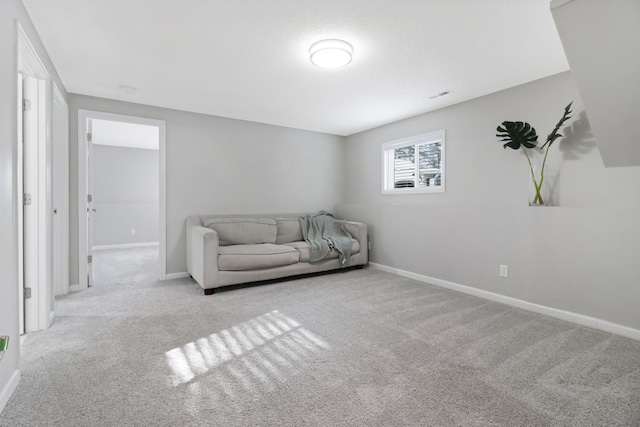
(388, 185)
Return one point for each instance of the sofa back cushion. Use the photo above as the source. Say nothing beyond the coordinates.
(244, 231)
(288, 230)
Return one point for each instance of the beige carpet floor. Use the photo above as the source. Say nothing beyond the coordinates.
(359, 348)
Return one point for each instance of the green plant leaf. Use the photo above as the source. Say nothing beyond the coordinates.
(551, 138)
(517, 134)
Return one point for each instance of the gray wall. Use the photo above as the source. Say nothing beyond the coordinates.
(126, 187)
(581, 256)
(10, 12)
(598, 37)
(217, 165)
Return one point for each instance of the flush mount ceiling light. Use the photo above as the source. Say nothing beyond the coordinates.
(330, 53)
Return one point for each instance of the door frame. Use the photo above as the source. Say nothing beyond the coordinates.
(89, 202)
(37, 314)
(83, 117)
(60, 193)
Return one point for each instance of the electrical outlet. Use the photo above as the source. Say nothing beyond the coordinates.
(133, 231)
(504, 270)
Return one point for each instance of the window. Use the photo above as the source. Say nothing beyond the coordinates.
(414, 165)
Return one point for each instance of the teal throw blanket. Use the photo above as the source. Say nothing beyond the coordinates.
(323, 232)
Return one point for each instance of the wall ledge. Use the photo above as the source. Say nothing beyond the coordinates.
(568, 316)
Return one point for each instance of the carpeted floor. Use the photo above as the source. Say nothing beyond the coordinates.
(118, 266)
(360, 348)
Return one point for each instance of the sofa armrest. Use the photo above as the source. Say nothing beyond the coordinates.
(358, 231)
(202, 255)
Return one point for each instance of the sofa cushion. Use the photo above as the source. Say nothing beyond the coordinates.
(244, 231)
(288, 230)
(255, 257)
(303, 248)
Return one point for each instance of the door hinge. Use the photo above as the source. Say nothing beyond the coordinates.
(89, 198)
(89, 259)
(27, 293)
(89, 136)
(26, 199)
(26, 105)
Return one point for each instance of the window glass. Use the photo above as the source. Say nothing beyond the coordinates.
(414, 165)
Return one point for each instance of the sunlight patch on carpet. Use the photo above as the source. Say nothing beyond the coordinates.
(269, 347)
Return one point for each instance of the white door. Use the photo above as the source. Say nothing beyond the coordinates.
(30, 202)
(33, 186)
(90, 208)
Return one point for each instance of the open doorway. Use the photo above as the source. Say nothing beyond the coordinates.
(126, 202)
(121, 198)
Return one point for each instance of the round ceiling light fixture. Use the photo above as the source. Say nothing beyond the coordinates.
(330, 53)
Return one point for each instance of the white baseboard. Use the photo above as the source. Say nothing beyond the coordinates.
(569, 316)
(182, 275)
(125, 246)
(8, 389)
(76, 288)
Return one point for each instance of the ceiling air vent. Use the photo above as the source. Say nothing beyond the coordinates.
(446, 92)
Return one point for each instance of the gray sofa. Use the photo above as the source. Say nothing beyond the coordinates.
(233, 249)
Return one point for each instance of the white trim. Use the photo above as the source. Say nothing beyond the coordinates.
(125, 246)
(75, 288)
(163, 199)
(60, 192)
(29, 64)
(18, 205)
(569, 316)
(28, 60)
(9, 388)
(387, 163)
(171, 276)
(57, 95)
(422, 138)
(45, 206)
(82, 202)
(83, 115)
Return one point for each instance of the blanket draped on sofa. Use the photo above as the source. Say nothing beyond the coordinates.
(323, 232)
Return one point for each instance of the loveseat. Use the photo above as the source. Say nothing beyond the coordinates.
(234, 249)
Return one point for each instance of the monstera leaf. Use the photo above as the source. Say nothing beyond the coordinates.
(522, 135)
(517, 134)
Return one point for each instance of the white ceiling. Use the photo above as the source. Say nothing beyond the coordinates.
(249, 59)
(120, 134)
